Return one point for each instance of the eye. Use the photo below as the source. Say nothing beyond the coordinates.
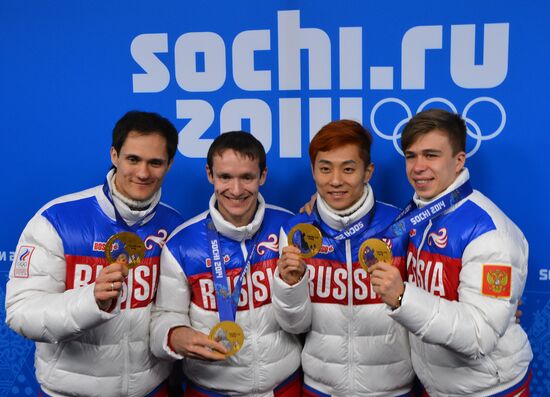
(324, 170)
(132, 159)
(349, 170)
(409, 156)
(156, 163)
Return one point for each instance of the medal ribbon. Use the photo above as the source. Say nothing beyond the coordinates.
(227, 302)
(412, 216)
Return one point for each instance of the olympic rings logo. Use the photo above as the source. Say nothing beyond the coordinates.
(475, 134)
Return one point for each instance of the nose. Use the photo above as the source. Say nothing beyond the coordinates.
(336, 178)
(235, 187)
(418, 164)
(142, 171)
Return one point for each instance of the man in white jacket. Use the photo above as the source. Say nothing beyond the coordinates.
(89, 317)
(352, 348)
(466, 266)
(217, 268)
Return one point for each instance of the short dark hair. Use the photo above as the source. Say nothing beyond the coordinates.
(241, 142)
(341, 133)
(436, 119)
(145, 123)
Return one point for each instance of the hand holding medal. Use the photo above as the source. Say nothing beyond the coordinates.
(376, 258)
(305, 241)
(122, 251)
(191, 343)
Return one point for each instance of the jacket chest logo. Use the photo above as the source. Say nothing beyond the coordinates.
(439, 238)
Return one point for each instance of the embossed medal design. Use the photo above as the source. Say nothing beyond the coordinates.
(229, 334)
(374, 250)
(126, 248)
(307, 238)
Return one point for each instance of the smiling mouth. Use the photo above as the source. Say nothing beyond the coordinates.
(239, 199)
(337, 194)
(423, 182)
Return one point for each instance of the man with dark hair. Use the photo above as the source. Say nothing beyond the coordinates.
(89, 317)
(352, 347)
(215, 285)
(467, 266)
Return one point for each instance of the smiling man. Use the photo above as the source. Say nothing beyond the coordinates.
(217, 270)
(466, 265)
(352, 347)
(88, 317)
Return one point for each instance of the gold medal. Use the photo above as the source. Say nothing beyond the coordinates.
(126, 248)
(229, 334)
(307, 238)
(374, 250)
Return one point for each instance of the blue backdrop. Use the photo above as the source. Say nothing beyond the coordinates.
(282, 69)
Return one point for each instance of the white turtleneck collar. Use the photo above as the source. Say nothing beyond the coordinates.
(460, 179)
(233, 232)
(124, 205)
(336, 220)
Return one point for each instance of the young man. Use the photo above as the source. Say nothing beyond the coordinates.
(235, 242)
(467, 266)
(352, 347)
(90, 318)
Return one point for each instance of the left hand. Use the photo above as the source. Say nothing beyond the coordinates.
(387, 282)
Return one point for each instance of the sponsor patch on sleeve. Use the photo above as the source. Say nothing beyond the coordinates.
(497, 281)
(23, 261)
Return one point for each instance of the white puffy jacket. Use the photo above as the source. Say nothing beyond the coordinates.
(81, 350)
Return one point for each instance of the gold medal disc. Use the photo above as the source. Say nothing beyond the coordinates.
(307, 238)
(229, 334)
(126, 248)
(374, 250)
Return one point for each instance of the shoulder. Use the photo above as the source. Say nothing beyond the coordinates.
(275, 214)
(169, 215)
(488, 217)
(481, 215)
(296, 219)
(70, 199)
(73, 205)
(385, 209)
(191, 228)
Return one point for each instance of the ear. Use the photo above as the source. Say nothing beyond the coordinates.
(460, 161)
(114, 156)
(209, 174)
(368, 173)
(263, 176)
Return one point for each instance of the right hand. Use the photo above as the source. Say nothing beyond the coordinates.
(190, 343)
(108, 284)
(291, 265)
